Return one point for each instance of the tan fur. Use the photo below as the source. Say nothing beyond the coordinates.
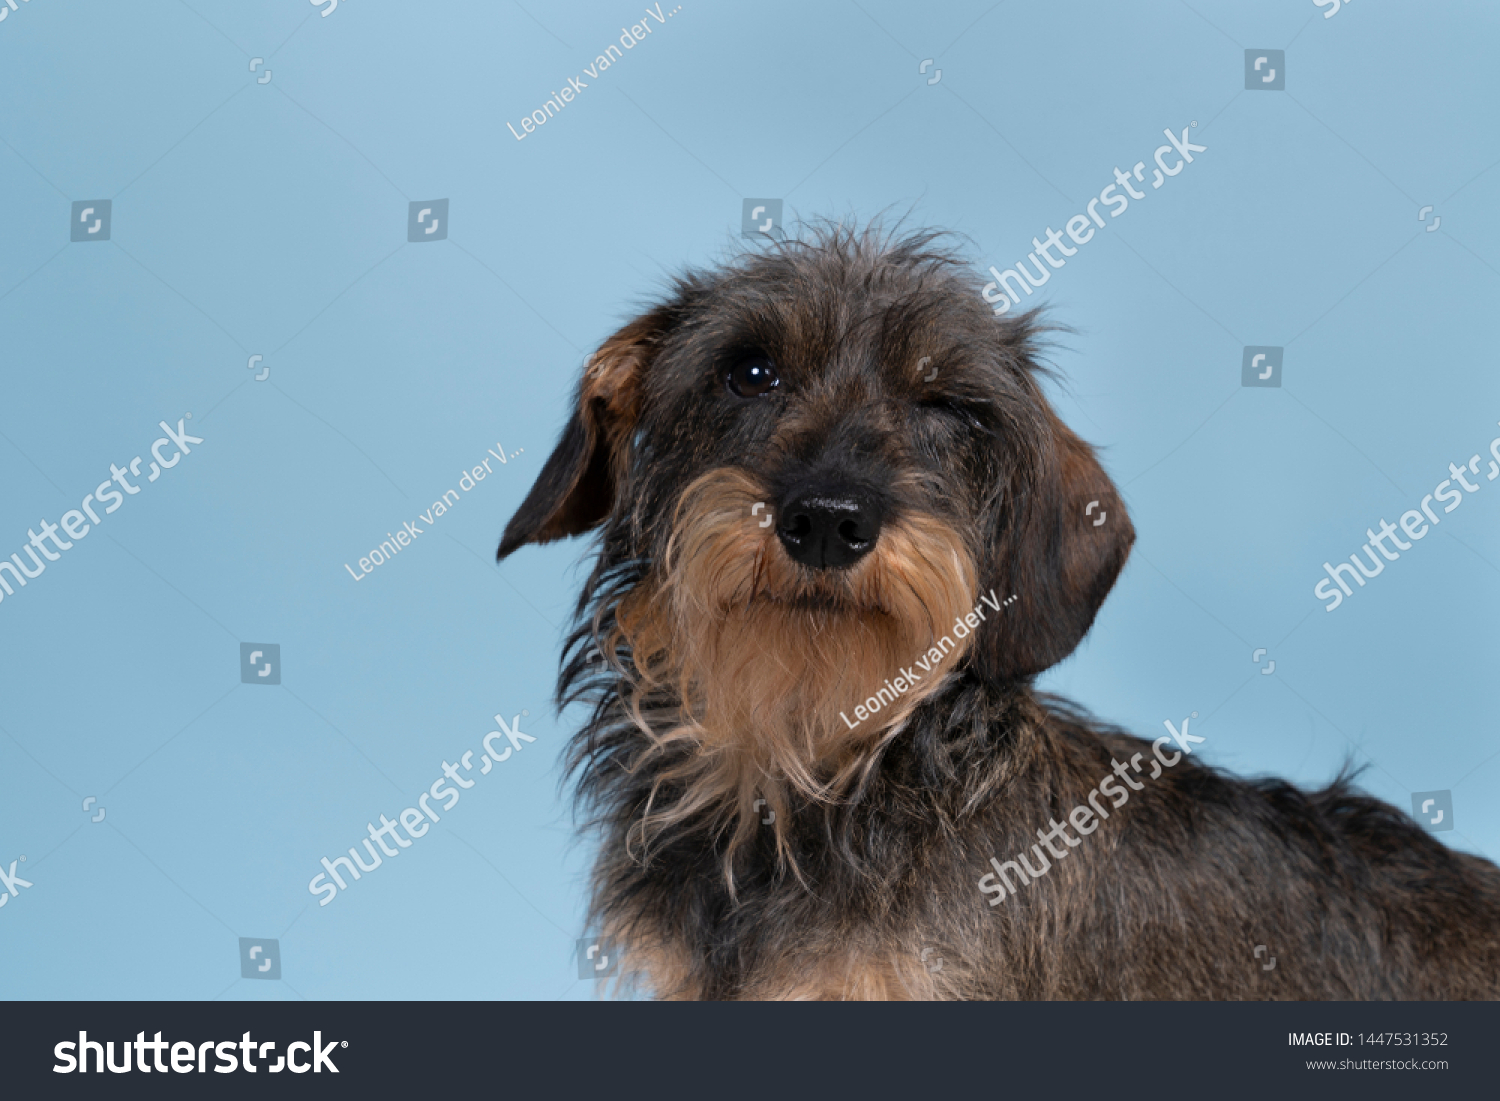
(612, 376)
(664, 968)
(771, 659)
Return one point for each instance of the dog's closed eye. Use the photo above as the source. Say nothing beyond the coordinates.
(956, 408)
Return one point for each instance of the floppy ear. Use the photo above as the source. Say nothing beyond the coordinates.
(1061, 539)
(576, 488)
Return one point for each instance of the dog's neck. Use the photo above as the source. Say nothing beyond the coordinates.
(959, 738)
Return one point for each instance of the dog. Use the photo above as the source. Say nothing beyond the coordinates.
(840, 532)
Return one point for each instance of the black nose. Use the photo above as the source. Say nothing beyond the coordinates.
(822, 528)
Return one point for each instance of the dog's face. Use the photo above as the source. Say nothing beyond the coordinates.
(823, 455)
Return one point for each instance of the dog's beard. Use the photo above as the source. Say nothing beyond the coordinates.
(766, 660)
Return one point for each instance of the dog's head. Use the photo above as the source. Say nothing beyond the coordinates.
(823, 455)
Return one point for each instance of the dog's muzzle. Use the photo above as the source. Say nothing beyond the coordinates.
(829, 528)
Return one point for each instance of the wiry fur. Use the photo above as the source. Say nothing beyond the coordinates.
(760, 658)
(754, 845)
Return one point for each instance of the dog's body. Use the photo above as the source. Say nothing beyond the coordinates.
(789, 809)
(1350, 899)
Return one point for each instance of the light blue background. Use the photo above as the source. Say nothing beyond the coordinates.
(271, 219)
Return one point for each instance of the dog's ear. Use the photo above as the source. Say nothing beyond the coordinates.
(1060, 539)
(576, 488)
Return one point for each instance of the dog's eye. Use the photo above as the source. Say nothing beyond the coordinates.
(957, 410)
(753, 376)
(947, 406)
